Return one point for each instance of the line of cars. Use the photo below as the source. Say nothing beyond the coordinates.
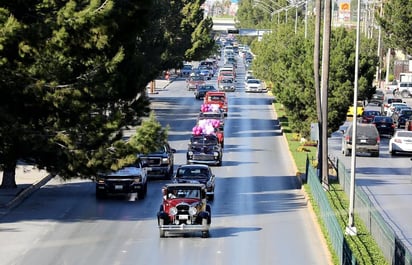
(185, 205)
(381, 117)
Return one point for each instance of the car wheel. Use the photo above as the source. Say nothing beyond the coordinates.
(209, 210)
(100, 194)
(211, 197)
(347, 152)
(141, 195)
(375, 154)
(161, 232)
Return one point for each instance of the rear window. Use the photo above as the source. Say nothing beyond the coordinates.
(364, 129)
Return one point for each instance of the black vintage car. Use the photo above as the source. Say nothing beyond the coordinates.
(197, 174)
(204, 149)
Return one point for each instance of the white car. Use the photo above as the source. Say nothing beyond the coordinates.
(392, 107)
(401, 142)
(254, 85)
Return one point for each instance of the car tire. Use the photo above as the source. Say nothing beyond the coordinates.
(100, 194)
(162, 233)
(347, 152)
(209, 210)
(141, 195)
(375, 154)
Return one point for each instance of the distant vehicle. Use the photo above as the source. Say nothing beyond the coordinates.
(194, 81)
(384, 125)
(387, 104)
(184, 209)
(227, 85)
(130, 179)
(160, 163)
(367, 139)
(401, 142)
(254, 85)
(368, 115)
(197, 174)
(218, 98)
(378, 96)
(396, 106)
(186, 70)
(400, 118)
(201, 91)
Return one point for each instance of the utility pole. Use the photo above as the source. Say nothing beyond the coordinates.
(316, 57)
(324, 89)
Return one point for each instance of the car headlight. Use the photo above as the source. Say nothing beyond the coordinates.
(173, 211)
(216, 153)
(190, 153)
(165, 160)
(138, 179)
(192, 211)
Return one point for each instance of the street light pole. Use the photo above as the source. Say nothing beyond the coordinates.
(351, 229)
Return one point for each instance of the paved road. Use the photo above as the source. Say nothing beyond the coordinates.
(259, 216)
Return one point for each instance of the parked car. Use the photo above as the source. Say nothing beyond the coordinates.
(184, 209)
(400, 117)
(201, 91)
(254, 85)
(368, 115)
(401, 142)
(204, 149)
(197, 174)
(129, 179)
(160, 163)
(367, 139)
(384, 125)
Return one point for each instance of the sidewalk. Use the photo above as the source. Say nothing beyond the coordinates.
(29, 178)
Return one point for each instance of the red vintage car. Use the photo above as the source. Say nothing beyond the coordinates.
(219, 98)
(184, 209)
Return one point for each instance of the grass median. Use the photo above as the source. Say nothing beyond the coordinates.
(364, 247)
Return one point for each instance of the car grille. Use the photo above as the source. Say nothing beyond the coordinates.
(203, 157)
(153, 161)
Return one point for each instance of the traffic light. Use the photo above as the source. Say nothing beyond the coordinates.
(232, 31)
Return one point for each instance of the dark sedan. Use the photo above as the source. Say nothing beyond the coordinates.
(368, 115)
(200, 92)
(197, 174)
(384, 124)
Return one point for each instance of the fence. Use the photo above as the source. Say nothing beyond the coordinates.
(393, 249)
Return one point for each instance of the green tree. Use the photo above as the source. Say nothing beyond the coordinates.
(73, 74)
(396, 24)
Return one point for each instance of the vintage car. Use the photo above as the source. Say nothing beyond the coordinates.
(197, 174)
(130, 179)
(214, 115)
(194, 81)
(218, 98)
(159, 163)
(204, 149)
(184, 209)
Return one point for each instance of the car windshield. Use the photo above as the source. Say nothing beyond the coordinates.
(192, 173)
(383, 119)
(227, 81)
(204, 140)
(404, 134)
(183, 193)
(406, 112)
(253, 81)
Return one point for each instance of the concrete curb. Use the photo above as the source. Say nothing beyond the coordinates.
(27, 192)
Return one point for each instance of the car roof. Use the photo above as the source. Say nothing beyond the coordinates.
(193, 166)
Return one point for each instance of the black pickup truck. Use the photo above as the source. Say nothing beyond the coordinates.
(160, 163)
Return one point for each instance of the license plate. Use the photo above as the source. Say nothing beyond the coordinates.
(383, 125)
(149, 169)
(363, 141)
(183, 217)
(118, 187)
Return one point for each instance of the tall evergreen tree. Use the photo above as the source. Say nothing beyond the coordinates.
(73, 74)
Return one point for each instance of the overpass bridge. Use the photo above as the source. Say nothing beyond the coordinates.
(228, 25)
